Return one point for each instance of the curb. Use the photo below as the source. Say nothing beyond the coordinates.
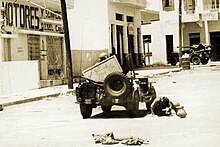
(177, 70)
(32, 99)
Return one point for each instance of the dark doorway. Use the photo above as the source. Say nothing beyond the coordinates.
(120, 49)
(215, 42)
(194, 38)
(112, 40)
(169, 46)
(131, 48)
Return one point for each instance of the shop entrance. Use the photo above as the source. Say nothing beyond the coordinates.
(120, 48)
(169, 46)
(215, 42)
(194, 38)
(55, 57)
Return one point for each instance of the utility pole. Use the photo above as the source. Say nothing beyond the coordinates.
(67, 43)
(180, 33)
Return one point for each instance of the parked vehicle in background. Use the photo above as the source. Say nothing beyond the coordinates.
(200, 54)
(197, 54)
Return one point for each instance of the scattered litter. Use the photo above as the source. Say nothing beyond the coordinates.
(64, 94)
(108, 139)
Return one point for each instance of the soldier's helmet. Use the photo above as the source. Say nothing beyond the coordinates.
(165, 100)
(103, 56)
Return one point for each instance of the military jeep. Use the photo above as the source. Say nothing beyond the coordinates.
(113, 88)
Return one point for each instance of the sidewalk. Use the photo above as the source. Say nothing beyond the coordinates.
(39, 94)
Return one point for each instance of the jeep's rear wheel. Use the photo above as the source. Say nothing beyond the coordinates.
(153, 94)
(117, 85)
(133, 105)
(106, 108)
(196, 60)
(86, 110)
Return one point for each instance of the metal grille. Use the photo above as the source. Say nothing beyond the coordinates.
(54, 55)
(33, 47)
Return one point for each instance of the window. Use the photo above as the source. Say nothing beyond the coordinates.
(215, 4)
(190, 6)
(119, 17)
(147, 38)
(33, 47)
(130, 19)
(168, 5)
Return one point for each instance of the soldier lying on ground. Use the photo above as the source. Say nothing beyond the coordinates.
(162, 106)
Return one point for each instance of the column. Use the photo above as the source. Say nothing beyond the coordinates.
(207, 41)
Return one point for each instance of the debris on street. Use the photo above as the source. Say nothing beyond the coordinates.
(108, 139)
(1, 108)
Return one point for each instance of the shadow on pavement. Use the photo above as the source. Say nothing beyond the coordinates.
(119, 114)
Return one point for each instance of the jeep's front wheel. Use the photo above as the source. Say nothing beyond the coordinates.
(86, 110)
(133, 105)
(106, 108)
(204, 61)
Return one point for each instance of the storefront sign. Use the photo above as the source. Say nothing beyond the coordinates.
(29, 17)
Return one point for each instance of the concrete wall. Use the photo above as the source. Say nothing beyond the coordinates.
(213, 26)
(82, 59)
(18, 76)
(88, 25)
(89, 32)
(192, 28)
(19, 48)
(167, 25)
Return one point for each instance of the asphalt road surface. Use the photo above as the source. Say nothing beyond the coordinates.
(57, 122)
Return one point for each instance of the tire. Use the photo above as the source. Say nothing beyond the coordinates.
(152, 92)
(106, 108)
(204, 61)
(86, 110)
(117, 85)
(173, 61)
(133, 105)
(196, 60)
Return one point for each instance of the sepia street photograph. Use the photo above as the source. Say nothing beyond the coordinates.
(93, 73)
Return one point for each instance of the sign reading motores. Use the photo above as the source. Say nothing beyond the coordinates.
(29, 17)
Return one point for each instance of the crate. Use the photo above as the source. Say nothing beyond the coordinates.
(100, 70)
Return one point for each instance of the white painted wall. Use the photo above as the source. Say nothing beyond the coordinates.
(153, 5)
(167, 25)
(88, 25)
(18, 76)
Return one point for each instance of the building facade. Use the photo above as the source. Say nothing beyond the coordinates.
(112, 26)
(32, 32)
(200, 24)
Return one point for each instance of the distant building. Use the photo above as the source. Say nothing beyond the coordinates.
(112, 26)
(32, 51)
(201, 24)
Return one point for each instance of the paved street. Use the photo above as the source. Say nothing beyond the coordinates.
(57, 122)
